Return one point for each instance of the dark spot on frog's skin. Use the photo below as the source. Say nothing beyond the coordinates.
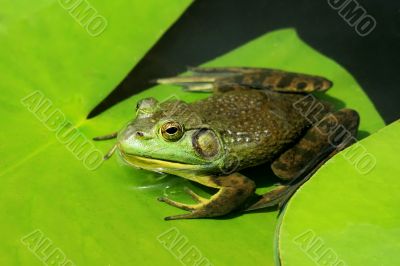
(217, 181)
(281, 165)
(286, 80)
(312, 137)
(269, 87)
(234, 182)
(225, 89)
(258, 79)
(238, 80)
(317, 84)
(306, 155)
(139, 134)
(240, 192)
(301, 85)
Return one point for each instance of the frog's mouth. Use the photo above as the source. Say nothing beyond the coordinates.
(157, 165)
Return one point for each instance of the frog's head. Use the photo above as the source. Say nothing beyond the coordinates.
(169, 137)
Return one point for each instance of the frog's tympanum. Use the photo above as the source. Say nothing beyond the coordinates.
(254, 116)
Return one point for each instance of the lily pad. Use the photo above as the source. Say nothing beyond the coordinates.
(56, 202)
(347, 214)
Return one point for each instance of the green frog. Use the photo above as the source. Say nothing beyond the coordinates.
(253, 116)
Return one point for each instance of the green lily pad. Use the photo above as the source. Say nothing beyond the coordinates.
(347, 214)
(57, 203)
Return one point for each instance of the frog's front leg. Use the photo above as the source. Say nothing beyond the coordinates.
(107, 137)
(233, 191)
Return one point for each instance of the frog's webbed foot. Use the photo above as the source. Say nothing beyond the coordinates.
(333, 133)
(183, 206)
(194, 196)
(234, 190)
(225, 79)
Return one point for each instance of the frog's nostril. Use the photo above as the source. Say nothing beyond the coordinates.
(139, 134)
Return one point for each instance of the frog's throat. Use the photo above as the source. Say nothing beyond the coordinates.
(180, 169)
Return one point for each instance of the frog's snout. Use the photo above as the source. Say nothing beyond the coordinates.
(132, 135)
(131, 140)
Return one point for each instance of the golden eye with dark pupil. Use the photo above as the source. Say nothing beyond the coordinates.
(171, 131)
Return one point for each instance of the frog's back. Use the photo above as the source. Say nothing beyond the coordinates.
(255, 125)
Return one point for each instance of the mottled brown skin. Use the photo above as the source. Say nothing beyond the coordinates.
(255, 125)
(264, 78)
(260, 115)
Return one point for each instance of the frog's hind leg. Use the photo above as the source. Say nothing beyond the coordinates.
(330, 135)
(198, 82)
(227, 79)
(234, 190)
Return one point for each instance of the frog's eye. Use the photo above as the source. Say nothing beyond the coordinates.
(171, 131)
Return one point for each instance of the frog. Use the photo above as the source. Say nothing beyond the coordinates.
(253, 116)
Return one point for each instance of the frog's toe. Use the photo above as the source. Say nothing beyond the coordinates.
(179, 205)
(275, 197)
(194, 196)
(191, 215)
(195, 210)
